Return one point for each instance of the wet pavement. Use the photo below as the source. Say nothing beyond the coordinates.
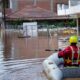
(21, 58)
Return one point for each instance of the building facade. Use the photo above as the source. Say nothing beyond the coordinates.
(35, 9)
(73, 10)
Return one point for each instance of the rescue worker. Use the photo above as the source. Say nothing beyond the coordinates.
(71, 54)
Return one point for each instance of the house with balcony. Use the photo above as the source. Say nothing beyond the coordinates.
(72, 10)
(33, 9)
(36, 10)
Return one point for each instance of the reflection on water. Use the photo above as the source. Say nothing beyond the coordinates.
(12, 48)
(8, 45)
(23, 48)
(1, 46)
(28, 69)
(5, 46)
(1, 50)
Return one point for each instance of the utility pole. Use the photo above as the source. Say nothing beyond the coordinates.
(51, 5)
(3, 12)
(34, 2)
(77, 23)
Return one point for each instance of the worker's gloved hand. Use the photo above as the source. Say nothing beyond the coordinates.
(60, 53)
(60, 50)
(55, 50)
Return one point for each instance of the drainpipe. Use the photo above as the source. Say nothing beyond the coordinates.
(69, 3)
(34, 2)
(51, 5)
(13, 5)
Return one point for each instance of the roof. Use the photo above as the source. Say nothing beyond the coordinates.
(32, 13)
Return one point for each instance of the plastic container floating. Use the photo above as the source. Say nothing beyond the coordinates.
(54, 69)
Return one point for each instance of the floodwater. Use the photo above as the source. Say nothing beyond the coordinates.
(21, 58)
(29, 69)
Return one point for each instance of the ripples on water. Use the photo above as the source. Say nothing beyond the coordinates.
(30, 69)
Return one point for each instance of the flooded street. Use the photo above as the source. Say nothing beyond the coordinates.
(21, 58)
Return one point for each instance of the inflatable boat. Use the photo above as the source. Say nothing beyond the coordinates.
(55, 70)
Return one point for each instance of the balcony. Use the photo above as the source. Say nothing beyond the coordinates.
(72, 10)
(73, 2)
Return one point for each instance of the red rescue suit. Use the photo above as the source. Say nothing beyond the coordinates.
(71, 56)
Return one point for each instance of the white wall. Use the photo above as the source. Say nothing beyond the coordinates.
(73, 2)
(70, 10)
(74, 8)
(61, 9)
(14, 4)
(0, 14)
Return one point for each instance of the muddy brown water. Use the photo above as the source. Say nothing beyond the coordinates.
(21, 58)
